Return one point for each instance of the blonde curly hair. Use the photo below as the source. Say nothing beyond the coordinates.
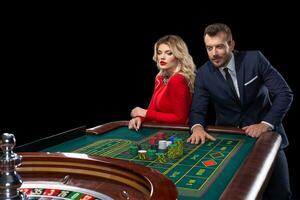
(186, 65)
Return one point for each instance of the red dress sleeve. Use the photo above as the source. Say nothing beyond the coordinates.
(170, 103)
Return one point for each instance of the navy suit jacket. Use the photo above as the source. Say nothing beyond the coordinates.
(264, 94)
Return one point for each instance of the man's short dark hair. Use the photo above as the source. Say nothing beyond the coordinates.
(214, 29)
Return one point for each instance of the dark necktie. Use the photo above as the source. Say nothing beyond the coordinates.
(230, 83)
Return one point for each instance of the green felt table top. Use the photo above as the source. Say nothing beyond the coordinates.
(202, 171)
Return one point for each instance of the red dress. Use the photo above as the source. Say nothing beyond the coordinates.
(170, 103)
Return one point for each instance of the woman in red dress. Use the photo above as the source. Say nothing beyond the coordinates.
(174, 85)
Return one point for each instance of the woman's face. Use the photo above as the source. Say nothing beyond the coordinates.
(166, 59)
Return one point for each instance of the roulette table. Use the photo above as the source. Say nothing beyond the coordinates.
(234, 166)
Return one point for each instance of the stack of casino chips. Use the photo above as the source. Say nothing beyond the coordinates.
(161, 136)
(160, 148)
(172, 150)
(161, 157)
(134, 150)
(152, 142)
(142, 154)
(179, 144)
(151, 154)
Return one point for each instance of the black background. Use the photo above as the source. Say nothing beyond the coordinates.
(70, 65)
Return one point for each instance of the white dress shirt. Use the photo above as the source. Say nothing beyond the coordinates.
(232, 72)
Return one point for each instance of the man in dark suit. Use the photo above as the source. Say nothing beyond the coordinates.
(246, 92)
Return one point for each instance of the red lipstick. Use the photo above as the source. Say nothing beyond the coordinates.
(162, 63)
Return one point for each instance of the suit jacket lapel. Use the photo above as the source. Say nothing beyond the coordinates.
(239, 68)
(223, 82)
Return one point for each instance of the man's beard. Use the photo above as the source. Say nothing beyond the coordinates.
(220, 65)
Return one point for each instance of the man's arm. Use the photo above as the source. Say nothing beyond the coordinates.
(280, 93)
(198, 112)
(200, 101)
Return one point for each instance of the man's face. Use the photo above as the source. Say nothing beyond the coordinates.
(218, 49)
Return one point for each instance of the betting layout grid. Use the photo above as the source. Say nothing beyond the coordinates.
(195, 170)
